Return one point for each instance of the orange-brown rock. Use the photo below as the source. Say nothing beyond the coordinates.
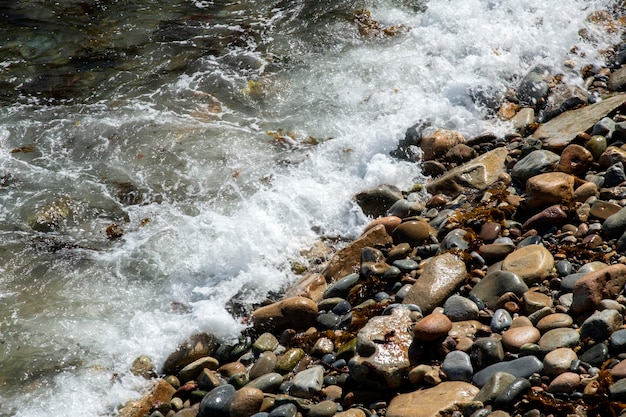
(295, 312)
(347, 260)
(550, 188)
(575, 160)
(390, 223)
(246, 402)
(161, 392)
(439, 143)
(413, 232)
(432, 327)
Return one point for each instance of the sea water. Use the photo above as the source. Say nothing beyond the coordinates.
(161, 161)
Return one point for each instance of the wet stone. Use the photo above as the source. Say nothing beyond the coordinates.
(618, 340)
(432, 327)
(486, 351)
(614, 175)
(496, 384)
(308, 383)
(535, 301)
(264, 365)
(512, 393)
(596, 145)
(563, 267)
(284, 410)
(521, 367)
(267, 383)
(575, 160)
(535, 163)
(558, 338)
(342, 287)
(595, 355)
(265, 342)
(323, 409)
(567, 283)
(501, 320)
(457, 366)
(413, 232)
(550, 188)
(246, 402)
(217, 402)
(455, 239)
(490, 231)
(428, 402)
(494, 285)
(406, 265)
(591, 289)
(289, 360)
(440, 278)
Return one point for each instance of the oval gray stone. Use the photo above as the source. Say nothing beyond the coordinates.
(521, 367)
(558, 338)
(458, 366)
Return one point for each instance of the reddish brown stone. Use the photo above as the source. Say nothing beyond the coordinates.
(592, 288)
(575, 160)
(432, 327)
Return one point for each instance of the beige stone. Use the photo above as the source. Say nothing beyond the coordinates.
(477, 174)
(429, 402)
(532, 263)
(550, 188)
(347, 260)
(311, 286)
(559, 132)
(439, 143)
(514, 338)
(441, 277)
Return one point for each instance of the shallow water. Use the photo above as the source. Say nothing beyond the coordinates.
(154, 116)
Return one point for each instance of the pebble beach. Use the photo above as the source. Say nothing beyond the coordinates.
(495, 288)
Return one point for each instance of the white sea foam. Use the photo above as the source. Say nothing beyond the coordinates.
(236, 207)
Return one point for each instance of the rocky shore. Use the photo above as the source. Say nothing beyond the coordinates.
(494, 289)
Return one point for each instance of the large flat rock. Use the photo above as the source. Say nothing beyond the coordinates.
(429, 402)
(559, 132)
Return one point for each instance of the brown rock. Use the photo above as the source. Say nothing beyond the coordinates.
(575, 160)
(592, 288)
(619, 370)
(390, 223)
(550, 188)
(191, 371)
(429, 402)
(432, 327)
(477, 174)
(586, 190)
(413, 232)
(490, 231)
(161, 392)
(460, 153)
(246, 402)
(558, 361)
(514, 338)
(440, 278)
(196, 347)
(495, 251)
(297, 313)
(311, 286)
(534, 301)
(532, 263)
(554, 215)
(232, 368)
(439, 143)
(559, 132)
(554, 321)
(603, 209)
(347, 260)
(611, 156)
(567, 383)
